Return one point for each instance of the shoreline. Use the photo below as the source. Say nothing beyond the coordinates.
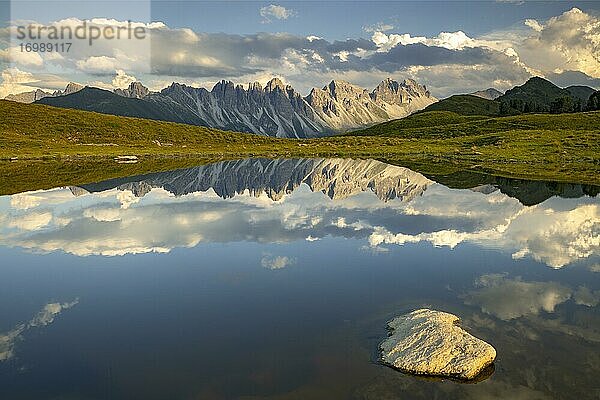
(49, 172)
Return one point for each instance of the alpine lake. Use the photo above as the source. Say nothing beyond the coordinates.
(275, 279)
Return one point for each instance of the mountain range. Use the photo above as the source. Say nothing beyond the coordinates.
(35, 95)
(273, 110)
(278, 110)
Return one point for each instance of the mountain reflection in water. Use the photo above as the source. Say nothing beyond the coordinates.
(337, 178)
(287, 200)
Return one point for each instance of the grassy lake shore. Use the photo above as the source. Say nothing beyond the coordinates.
(42, 146)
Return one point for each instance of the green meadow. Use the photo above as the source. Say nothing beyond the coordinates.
(43, 146)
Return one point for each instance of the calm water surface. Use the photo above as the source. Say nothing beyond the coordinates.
(261, 279)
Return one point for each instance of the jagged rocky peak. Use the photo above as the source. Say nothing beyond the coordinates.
(317, 96)
(175, 87)
(489, 94)
(35, 95)
(274, 84)
(410, 82)
(408, 92)
(226, 92)
(390, 91)
(28, 97)
(138, 90)
(340, 90)
(390, 84)
(135, 90)
(255, 87)
(414, 88)
(223, 86)
(72, 87)
(39, 93)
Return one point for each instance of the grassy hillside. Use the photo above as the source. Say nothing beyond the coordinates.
(418, 121)
(428, 125)
(55, 146)
(34, 130)
(535, 89)
(540, 95)
(466, 104)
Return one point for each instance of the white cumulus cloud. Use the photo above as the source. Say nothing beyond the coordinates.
(122, 79)
(276, 262)
(274, 11)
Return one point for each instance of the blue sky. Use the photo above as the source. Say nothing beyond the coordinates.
(452, 47)
(329, 19)
(342, 19)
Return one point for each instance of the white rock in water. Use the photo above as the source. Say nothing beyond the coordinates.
(429, 342)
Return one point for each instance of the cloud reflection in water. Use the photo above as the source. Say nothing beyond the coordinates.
(287, 200)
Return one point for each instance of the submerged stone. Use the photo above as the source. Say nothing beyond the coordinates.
(429, 342)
